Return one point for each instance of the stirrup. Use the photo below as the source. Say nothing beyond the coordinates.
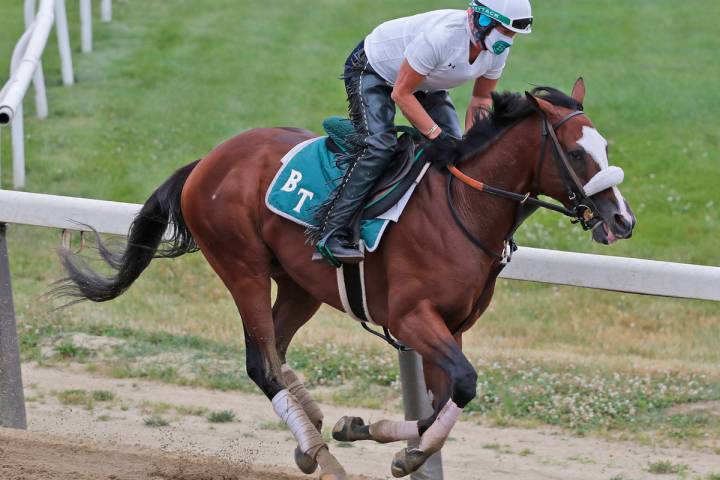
(336, 259)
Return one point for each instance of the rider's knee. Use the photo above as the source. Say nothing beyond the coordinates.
(382, 144)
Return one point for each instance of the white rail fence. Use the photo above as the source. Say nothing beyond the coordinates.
(26, 66)
(530, 264)
(604, 272)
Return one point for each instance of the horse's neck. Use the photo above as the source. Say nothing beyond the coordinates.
(509, 165)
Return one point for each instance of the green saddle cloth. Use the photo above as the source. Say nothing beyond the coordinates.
(306, 179)
(309, 174)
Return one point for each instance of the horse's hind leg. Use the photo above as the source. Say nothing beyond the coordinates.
(292, 309)
(250, 288)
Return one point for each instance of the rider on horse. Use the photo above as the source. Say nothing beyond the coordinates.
(413, 62)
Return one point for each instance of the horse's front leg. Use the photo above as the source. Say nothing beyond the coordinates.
(351, 429)
(448, 374)
(424, 330)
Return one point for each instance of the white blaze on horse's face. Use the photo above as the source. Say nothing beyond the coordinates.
(596, 145)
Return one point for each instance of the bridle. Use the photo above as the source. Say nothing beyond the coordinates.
(583, 211)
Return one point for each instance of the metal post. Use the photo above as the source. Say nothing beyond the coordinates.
(86, 26)
(61, 26)
(417, 405)
(106, 10)
(12, 399)
(17, 133)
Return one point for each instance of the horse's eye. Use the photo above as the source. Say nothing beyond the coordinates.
(577, 155)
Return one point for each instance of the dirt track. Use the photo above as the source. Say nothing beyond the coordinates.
(111, 441)
(33, 456)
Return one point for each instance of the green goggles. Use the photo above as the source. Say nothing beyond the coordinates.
(487, 15)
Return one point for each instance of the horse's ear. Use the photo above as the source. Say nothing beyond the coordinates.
(542, 106)
(578, 91)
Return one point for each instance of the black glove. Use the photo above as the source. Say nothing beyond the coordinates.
(443, 150)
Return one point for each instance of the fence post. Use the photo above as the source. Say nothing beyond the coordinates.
(12, 399)
(86, 26)
(17, 135)
(106, 10)
(417, 405)
(41, 106)
(63, 36)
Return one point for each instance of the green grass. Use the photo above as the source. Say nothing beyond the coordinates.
(76, 397)
(73, 397)
(103, 395)
(619, 402)
(156, 421)
(168, 81)
(70, 351)
(666, 467)
(223, 416)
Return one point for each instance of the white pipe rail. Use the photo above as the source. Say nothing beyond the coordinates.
(35, 38)
(65, 212)
(531, 264)
(26, 66)
(17, 126)
(620, 274)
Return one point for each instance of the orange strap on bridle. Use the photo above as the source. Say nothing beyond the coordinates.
(465, 179)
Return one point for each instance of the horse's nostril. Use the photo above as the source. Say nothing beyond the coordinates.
(623, 224)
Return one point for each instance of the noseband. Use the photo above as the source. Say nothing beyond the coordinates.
(584, 211)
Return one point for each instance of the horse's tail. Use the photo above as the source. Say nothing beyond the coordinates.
(144, 240)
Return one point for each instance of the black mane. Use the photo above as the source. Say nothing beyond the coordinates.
(508, 109)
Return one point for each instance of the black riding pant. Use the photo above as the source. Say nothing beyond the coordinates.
(372, 112)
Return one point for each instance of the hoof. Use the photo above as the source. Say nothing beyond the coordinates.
(305, 462)
(351, 429)
(406, 461)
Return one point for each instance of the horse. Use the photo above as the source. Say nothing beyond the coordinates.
(430, 281)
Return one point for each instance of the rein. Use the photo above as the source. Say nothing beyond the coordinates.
(584, 210)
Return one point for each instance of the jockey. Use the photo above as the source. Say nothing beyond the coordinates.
(412, 62)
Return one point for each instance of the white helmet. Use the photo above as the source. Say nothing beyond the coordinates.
(515, 15)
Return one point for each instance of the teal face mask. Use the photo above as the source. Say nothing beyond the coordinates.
(497, 42)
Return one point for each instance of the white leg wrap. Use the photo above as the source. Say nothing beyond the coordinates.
(291, 412)
(298, 389)
(434, 437)
(386, 431)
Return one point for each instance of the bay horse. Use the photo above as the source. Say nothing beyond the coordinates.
(429, 282)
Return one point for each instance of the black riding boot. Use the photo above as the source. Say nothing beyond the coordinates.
(339, 239)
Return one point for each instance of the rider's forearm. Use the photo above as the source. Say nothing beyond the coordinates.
(478, 108)
(416, 114)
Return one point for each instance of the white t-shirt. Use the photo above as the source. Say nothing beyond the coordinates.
(436, 45)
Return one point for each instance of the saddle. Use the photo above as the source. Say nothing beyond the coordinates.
(400, 174)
